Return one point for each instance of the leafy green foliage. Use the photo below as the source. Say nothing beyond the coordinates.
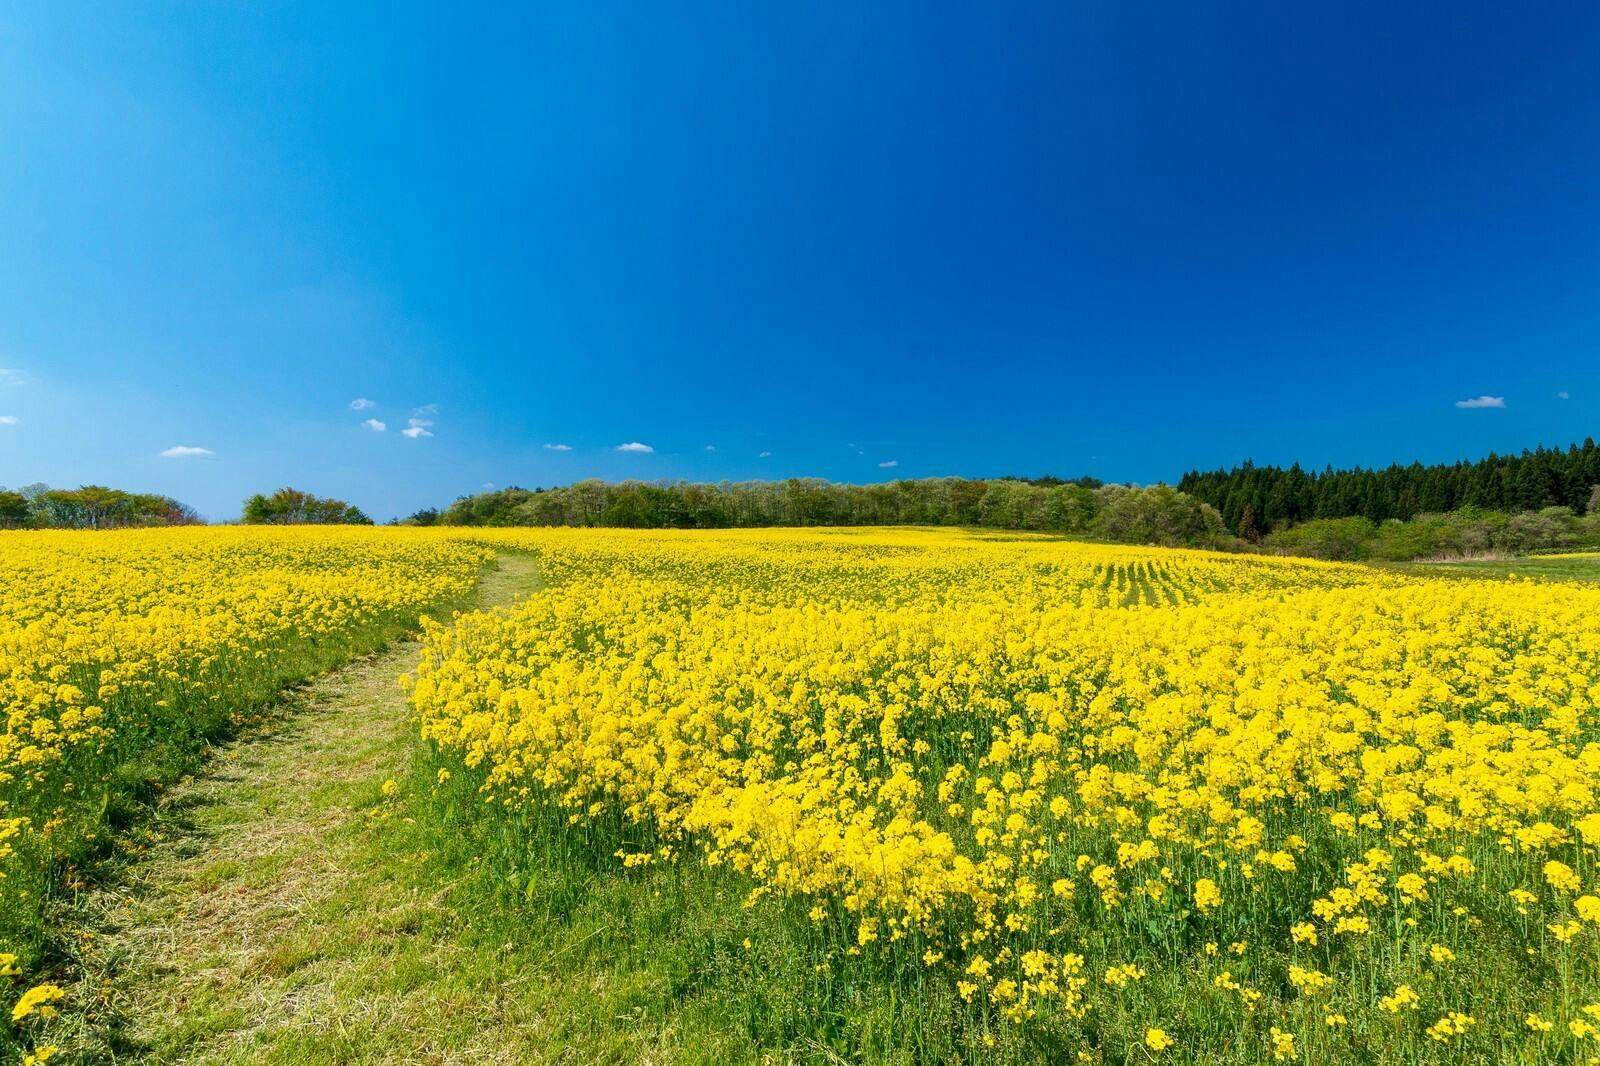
(291, 507)
(1457, 535)
(89, 507)
(1159, 514)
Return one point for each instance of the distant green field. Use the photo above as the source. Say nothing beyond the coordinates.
(1579, 566)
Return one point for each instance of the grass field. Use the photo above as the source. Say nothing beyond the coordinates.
(843, 795)
(1580, 566)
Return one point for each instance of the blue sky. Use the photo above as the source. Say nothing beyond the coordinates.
(1113, 239)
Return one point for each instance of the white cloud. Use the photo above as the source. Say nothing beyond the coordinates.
(361, 403)
(419, 425)
(711, 447)
(764, 455)
(9, 420)
(488, 485)
(374, 425)
(887, 463)
(635, 446)
(1482, 401)
(13, 377)
(558, 447)
(184, 451)
(1563, 395)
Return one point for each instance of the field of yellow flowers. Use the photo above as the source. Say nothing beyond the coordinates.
(1069, 800)
(122, 655)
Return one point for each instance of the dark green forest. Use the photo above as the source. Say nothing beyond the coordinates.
(1255, 500)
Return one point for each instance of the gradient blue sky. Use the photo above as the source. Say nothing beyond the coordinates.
(1113, 239)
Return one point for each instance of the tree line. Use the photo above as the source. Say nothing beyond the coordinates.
(89, 507)
(1462, 534)
(1158, 514)
(1256, 500)
(39, 506)
(1538, 500)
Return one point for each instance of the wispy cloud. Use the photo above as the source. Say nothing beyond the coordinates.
(184, 451)
(361, 403)
(374, 425)
(425, 410)
(1563, 395)
(10, 420)
(887, 463)
(1482, 401)
(635, 446)
(417, 427)
(764, 455)
(711, 447)
(13, 377)
(558, 447)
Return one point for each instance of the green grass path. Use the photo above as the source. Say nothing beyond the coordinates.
(272, 919)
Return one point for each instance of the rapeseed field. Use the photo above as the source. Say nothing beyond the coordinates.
(1056, 801)
(1120, 804)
